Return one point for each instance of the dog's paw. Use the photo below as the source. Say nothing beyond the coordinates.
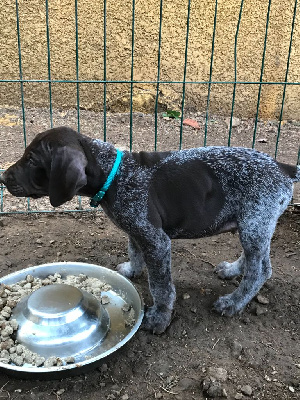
(126, 270)
(226, 270)
(156, 321)
(226, 306)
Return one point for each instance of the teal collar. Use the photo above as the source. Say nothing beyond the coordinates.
(99, 196)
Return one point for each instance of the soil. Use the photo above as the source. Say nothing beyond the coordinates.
(257, 354)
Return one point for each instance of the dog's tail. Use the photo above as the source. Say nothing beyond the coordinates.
(293, 171)
(297, 176)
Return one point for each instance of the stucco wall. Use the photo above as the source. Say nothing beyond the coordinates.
(119, 21)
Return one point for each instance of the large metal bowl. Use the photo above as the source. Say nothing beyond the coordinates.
(72, 323)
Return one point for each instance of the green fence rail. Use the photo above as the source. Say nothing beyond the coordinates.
(158, 82)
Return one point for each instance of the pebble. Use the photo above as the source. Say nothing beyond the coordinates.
(103, 368)
(70, 360)
(246, 320)
(29, 278)
(262, 299)
(220, 374)
(39, 361)
(236, 348)
(235, 122)
(278, 384)
(130, 318)
(126, 307)
(50, 362)
(216, 390)
(269, 285)
(27, 285)
(18, 360)
(259, 310)
(238, 396)
(19, 349)
(185, 383)
(6, 344)
(246, 390)
(4, 354)
(105, 300)
(186, 296)
(212, 384)
(28, 356)
(12, 349)
(7, 331)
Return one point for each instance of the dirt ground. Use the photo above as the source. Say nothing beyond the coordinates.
(257, 353)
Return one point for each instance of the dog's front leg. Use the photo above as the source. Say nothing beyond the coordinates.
(134, 267)
(157, 256)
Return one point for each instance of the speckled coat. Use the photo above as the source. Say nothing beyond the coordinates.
(156, 197)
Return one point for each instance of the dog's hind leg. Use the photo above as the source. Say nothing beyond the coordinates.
(134, 267)
(226, 270)
(255, 239)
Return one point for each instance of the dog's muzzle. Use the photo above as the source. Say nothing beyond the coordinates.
(12, 185)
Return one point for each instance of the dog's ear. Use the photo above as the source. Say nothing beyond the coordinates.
(67, 174)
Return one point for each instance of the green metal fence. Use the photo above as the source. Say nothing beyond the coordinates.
(158, 82)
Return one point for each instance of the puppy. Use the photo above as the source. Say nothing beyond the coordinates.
(156, 197)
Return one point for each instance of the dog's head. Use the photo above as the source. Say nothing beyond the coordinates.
(52, 165)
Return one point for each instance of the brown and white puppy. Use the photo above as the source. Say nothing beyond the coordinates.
(156, 197)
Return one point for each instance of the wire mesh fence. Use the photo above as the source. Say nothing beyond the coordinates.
(187, 19)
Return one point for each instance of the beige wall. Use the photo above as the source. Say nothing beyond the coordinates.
(119, 14)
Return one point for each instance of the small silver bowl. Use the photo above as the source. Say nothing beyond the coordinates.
(59, 320)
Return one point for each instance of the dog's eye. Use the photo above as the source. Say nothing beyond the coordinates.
(31, 161)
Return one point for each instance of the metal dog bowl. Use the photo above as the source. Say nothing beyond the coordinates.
(60, 320)
(63, 321)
